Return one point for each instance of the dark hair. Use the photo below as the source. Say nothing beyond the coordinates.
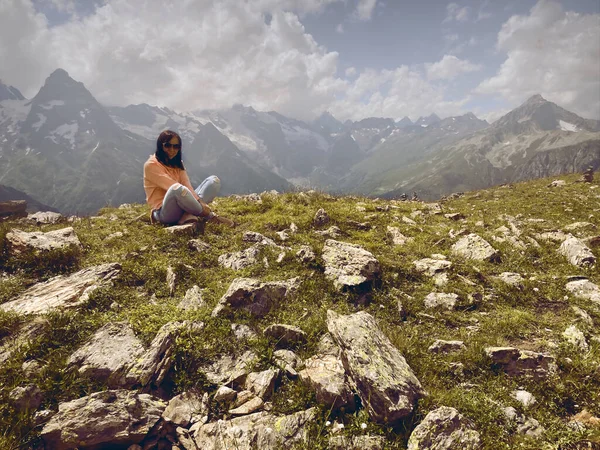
(160, 154)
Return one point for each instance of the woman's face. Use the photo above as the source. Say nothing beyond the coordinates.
(172, 147)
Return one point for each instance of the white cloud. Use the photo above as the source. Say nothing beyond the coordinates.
(350, 71)
(449, 67)
(339, 28)
(551, 52)
(455, 12)
(364, 9)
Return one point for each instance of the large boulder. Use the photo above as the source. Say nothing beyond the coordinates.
(349, 265)
(22, 242)
(255, 431)
(63, 291)
(444, 429)
(385, 383)
(45, 217)
(584, 289)
(255, 296)
(325, 374)
(517, 362)
(104, 419)
(475, 247)
(576, 252)
(108, 354)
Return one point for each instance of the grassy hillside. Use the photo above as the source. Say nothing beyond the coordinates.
(489, 312)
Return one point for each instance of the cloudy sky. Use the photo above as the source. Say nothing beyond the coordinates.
(355, 58)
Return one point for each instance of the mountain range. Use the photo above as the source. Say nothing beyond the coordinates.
(68, 151)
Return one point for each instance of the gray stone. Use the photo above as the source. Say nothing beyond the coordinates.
(240, 260)
(577, 226)
(108, 354)
(252, 405)
(326, 376)
(321, 218)
(192, 300)
(183, 407)
(31, 368)
(517, 362)
(261, 430)
(441, 346)
(364, 442)
(198, 245)
(63, 291)
(225, 395)
(525, 398)
(554, 236)
(576, 252)
(584, 289)
(187, 229)
(576, 338)
(243, 397)
(153, 365)
(252, 236)
(45, 217)
(285, 335)
(230, 369)
(241, 331)
(441, 300)
(185, 439)
(171, 277)
(349, 265)
(262, 384)
(27, 397)
(21, 242)
(283, 358)
(255, 296)
(475, 247)
(430, 267)
(108, 418)
(386, 385)
(511, 278)
(583, 316)
(444, 429)
(527, 426)
(306, 254)
(454, 216)
(331, 232)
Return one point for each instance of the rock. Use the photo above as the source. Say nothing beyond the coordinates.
(306, 254)
(326, 376)
(349, 265)
(255, 296)
(386, 384)
(261, 430)
(454, 216)
(444, 429)
(151, 368)
(331, 232)
(21, 242)
(241, 331)
(408, 220)
(31, 368)
(576, 252)
(282, 235)
(243, 397)
(187, 229)
(321, 218)
(108, 354)
(527, 426)
(116, 235)
(63, 291)
(230, 369)
(525, 398)
(474, 247)
(262, 383)
(363, 226)
(225, 395)
(27, 397)
(576, 226)
(583, 316)
(171, 277)
(108, 418)
(584, 289)
(240, 260)
(557, 183)
(198, 245)
(587, 419)
(441, 300)
(440, 346)
(192, 300)
(43, 416)
(283, 358)
(554, 236)
(45, 217)
(396, 236)
(252, 405)
(511, 278)
(285, 335)
(430, 267)
(517, 362)
(576, 338)
(293, 228)
(185, 439)
(252, 236)
(183, 407)
(365, 442)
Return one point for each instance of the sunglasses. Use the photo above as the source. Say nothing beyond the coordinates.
(169, 145)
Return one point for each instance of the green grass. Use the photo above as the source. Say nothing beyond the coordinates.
(489, 313)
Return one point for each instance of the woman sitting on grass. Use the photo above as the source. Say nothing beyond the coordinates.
(169, 191)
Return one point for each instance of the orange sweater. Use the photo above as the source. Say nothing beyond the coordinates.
(158, 178)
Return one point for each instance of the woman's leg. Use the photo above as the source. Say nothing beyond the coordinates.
(177, 201)
(209, 189)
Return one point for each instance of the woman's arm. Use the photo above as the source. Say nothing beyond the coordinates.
(157, 176)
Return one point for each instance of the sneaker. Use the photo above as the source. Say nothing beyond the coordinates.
(187, 218)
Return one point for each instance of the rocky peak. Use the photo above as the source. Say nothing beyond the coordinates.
(404, 122)
(9, 92)
(427, 121)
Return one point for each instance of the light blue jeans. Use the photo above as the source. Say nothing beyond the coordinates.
(179, 200)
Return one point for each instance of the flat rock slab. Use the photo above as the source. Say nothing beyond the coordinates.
(364, 442)
(584, 289)
(63, 291)
(255, 296)
(192, 300)
(240, 260)
(517, 362)
(430, 266)
(45, 217)
(325, 374)
(475, 247)
(441, 300)
(22, 241)
(185, 407)
(349, 265)
(285, 334)
(511, 278)
(576, 252)
(444, 429)
(255, 431)
(385, 383)
(108, 354)
(262, 384)
(103, 419)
